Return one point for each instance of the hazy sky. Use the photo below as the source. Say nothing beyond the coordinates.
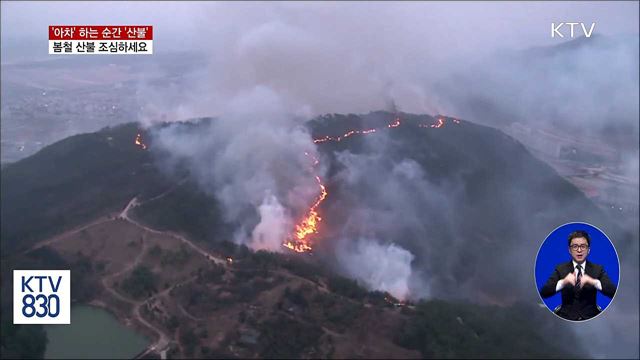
(358, 56)
(461, 25)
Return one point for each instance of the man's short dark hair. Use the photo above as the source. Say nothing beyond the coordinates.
(580, 234)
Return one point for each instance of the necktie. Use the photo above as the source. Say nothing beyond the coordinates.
(579, 277)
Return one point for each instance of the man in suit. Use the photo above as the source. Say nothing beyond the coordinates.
(579, 281)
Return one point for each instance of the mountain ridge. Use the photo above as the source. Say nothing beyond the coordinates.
(438, 151)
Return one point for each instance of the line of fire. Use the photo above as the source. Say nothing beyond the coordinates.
(301, 238)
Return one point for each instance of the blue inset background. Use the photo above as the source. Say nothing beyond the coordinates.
(554, 251)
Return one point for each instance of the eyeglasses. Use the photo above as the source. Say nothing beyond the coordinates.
(581, 247)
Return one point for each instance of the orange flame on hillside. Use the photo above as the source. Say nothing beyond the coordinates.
(300, 240)
(344, 136)
(439, 123)
(309, 224)
(339, 138)
(138, 141)
(394, 124)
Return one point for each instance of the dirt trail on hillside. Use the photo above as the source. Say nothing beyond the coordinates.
(163, 339)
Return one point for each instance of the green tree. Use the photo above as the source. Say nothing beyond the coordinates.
(140, 283)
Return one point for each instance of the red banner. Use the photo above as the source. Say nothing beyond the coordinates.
(100, 32)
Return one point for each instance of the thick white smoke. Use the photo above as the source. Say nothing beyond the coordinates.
(267, 64)
(253, 160)
(273, 227)
(385, 267)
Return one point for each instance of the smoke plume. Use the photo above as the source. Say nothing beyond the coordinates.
(381, 267)
(252, 159)
(389, 221)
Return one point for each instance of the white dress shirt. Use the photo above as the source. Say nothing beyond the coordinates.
(560, 283)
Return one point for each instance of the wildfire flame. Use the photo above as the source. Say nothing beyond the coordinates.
(344, 136)
(139, 142)
(300, 240)
(438, 124)
(394, 124)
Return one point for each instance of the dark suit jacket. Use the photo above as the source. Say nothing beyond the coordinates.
(578, 304)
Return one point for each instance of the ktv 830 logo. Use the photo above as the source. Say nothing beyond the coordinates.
(41, 297)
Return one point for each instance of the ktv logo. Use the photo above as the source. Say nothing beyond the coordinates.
(41, 296)
(556, 29)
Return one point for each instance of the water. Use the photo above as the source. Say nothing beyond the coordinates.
(94, 333)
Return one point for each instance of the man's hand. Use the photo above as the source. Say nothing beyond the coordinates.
(587, 280)
(570, 279)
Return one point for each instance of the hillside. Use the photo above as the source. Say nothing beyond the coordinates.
(268, 305)
(488, 198)
(72, 182)
(467, 200)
